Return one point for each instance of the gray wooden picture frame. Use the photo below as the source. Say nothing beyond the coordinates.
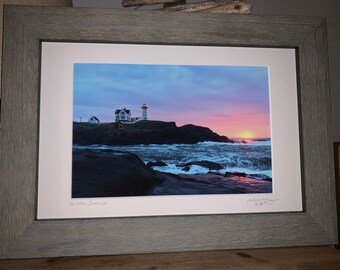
(22, 236)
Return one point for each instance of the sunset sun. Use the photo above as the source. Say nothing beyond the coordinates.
(247, 134)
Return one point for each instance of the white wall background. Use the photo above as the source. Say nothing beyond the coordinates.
(327, 8)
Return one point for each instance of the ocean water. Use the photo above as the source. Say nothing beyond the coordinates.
(254, 157)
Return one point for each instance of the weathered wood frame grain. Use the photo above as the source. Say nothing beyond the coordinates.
(22, 236)
(337, 184)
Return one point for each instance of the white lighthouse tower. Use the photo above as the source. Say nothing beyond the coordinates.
(144, 112)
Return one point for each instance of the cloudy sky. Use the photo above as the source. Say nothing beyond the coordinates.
(230, 100)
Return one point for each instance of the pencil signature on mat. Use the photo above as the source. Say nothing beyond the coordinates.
(262, 201)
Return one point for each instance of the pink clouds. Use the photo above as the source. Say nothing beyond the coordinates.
(231, 125)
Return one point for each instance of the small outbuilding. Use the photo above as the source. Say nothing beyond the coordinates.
(93, 120)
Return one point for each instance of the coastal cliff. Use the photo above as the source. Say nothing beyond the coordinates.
(143, 132)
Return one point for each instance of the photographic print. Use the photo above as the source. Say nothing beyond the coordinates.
(154, 129)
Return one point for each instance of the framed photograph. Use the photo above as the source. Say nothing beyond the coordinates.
(203, 143)
(137, 131)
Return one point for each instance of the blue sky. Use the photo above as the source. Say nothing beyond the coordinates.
(227, 99)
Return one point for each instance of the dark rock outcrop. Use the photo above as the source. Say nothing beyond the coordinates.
(102, 174)
(157, 163)
(203, 163)
(239, 174)
(143, 132)
(195, 134)
(257, 176)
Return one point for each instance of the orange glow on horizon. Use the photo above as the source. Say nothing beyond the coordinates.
(246, 135)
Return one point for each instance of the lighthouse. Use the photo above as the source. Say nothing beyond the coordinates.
(144, 112)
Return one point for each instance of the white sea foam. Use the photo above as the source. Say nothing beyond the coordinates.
(172, 168)
(251, 158)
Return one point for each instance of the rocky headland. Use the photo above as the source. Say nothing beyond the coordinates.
(143, 132)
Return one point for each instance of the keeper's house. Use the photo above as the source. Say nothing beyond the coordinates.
(124, 115)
